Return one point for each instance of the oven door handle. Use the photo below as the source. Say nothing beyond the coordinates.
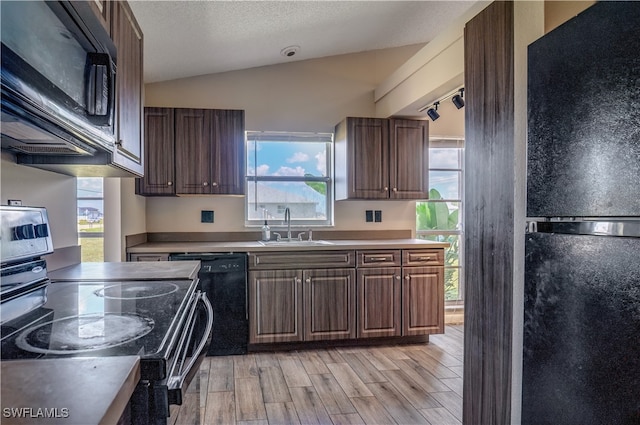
(205, 337)
(175, 383)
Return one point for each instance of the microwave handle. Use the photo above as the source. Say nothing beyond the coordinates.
(100, 87)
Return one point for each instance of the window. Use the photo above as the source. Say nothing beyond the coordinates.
(90, 197)
(289, 170)
(440, 218)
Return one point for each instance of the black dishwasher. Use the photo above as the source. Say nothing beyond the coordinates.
(223, 277)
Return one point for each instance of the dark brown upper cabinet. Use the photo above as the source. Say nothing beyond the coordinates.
(209, 151)
(193, 152)
(377, 158)
(160, 173)
(102, 10)
(127, 36)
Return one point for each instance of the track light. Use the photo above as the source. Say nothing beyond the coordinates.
(458, 100)
(457, 97)
(433, 112)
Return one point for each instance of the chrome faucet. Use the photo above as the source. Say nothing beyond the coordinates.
(287, 219)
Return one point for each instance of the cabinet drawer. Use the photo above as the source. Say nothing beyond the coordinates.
(378, 258)
(301, 260)
(423, 257)
(149, 257)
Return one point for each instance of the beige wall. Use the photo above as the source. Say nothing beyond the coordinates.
(125, 214)
(557, 12)
(451, 122)
(311, 95)
(124, 211)
(433, 72)
(39, 188)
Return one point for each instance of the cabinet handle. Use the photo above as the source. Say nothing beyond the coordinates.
(169, 183)
(397, 277)
(395, 189)
(407, 277)
(308, 280)
(377, 258)
(297, 280)
(127, 153)
(386, 189)
(205, 184)
(214, 184)
(424, 258)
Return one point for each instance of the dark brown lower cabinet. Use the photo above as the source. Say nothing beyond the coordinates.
(275, 306)
(323, 296)
(329, 304)
(297, 305)
(422, 300)
(379, 302)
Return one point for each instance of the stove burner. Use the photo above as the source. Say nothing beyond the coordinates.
(84, 333)
(137, 290)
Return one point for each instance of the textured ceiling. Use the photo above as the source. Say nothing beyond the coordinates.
(188, 38)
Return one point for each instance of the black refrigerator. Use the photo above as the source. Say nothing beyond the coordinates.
(581, 359)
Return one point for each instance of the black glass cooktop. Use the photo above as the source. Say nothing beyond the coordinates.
(97, 319)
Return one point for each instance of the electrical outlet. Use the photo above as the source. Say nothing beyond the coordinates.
(378, 215)
(369, 216)
(15, 202)
(206, 216)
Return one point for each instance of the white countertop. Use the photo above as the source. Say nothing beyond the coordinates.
(255, 246)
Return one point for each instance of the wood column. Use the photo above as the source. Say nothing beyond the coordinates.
(489, 205)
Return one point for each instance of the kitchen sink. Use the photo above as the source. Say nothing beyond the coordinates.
(294, 243)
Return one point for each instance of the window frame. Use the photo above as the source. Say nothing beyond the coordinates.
(458, 143)
(90, 235)
(293, 137)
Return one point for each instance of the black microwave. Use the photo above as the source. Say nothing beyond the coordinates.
(58, 79)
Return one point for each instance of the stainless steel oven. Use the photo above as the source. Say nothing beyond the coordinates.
(166, 322)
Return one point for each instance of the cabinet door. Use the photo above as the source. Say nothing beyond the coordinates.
(102, 10)
(422, 300)
(368, 158)
(159, 174)
(275, 306)
(379, 302)
(227, 154)
(127, 37)
(329, 304)
(193, 151)
(409, 159)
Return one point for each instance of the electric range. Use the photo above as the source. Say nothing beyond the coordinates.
(98, 319)
(165, 322)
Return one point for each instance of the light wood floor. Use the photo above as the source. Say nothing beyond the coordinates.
(400, 384)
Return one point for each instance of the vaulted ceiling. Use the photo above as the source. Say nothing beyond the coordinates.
(188, 38)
